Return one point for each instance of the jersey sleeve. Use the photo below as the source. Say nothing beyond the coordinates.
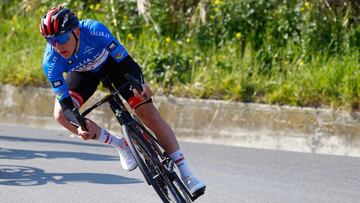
(102, 35)
(54, 74)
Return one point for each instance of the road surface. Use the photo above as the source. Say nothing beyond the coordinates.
(38, 165)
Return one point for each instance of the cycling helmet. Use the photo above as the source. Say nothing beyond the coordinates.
(57, 21)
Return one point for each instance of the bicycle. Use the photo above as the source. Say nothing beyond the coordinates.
(156, 166)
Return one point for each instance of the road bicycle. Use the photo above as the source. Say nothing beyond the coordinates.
(156, 166)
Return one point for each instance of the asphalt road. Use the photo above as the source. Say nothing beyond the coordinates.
(50, 166)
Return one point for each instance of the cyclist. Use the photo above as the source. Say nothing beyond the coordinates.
(86, 50)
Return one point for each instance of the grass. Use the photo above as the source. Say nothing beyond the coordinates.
(190, 65)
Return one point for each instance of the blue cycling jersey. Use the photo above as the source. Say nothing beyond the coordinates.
(96, 45)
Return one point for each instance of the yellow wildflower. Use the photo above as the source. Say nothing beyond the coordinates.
(307, 5)
(92, 7)
(188, 40)
(217, 2)
(79, 14)
(130, 36)
(97, 7)
(238, 35)
(168, 39)
(14, 18)
(301, 63)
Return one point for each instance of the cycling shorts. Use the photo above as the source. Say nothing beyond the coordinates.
(82, 85)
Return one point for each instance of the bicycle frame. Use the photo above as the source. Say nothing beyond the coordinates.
(127, 120)
(116, 105)
(119, 109)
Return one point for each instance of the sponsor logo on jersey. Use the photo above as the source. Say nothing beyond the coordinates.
(100, 34)
(88, 50)
(112, 46)
(57, 83)
(59, 94)
(70, 62)
(119, 55)
(92, 62)
(51, 66)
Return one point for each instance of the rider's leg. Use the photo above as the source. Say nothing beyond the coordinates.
(151, 117)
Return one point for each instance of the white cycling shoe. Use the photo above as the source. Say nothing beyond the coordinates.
(127, 159)
(193, 184)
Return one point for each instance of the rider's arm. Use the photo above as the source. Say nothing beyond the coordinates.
(54, 72)
(100, 34)
(67, 107)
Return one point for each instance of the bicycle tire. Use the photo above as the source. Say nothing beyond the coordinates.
(151, 167)
(141, 162)
(185, 193)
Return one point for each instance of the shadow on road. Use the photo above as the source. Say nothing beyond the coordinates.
(52, 141)
(20, 154)
(11, 175)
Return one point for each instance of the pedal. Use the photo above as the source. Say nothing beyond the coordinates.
(198, 193)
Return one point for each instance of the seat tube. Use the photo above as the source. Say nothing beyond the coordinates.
(116, 104)
(119, 113)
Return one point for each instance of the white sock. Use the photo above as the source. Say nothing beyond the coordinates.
(107, 138)
(181, 163)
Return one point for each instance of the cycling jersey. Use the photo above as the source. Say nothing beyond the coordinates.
(96, 45)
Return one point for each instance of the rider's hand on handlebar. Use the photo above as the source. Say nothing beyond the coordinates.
(91, 133)
(145, 94)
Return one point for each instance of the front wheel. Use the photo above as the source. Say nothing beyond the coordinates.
(150, 166)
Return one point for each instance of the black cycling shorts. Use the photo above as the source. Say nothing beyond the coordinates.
(82, 85)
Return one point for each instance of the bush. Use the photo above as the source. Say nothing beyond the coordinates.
(294, 52)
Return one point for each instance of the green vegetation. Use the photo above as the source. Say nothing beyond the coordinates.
(295, 52)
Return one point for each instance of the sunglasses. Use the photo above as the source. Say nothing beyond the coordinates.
(61, 39)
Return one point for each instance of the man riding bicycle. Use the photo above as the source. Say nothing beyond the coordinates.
(86, 50)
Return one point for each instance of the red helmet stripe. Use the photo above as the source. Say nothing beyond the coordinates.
(48, 23)
(43, 30)
(56, 23)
